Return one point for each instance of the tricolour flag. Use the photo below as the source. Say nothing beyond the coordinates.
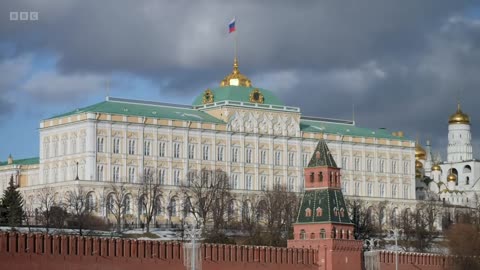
(231, 26)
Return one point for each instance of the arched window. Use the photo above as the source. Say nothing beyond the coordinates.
(335, 211)
(158, 206)
(342, 233)
(312, 235)
(331, 178)
(342, 212)
(90, 202)
(128, 204)
(467, 169)
(110, 204)
(323, 234)
(308, 212)
(312, 177)
(319, 211)
(173, 207)
(302, 235)
(334, 233)
(467, 180)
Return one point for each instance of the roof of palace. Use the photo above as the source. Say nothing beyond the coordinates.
(25, 161)
(147, 109)
(238, 93)
(130, 107)
(322, 156)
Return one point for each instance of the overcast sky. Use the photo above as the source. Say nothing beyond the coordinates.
(403, 63)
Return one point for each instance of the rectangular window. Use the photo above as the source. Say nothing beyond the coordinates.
(131, 175)
(381, 165)
(220, 153)
(116, 174)
(394, 166)
(394, 190)
(161, 177)
(357, 189)
(176, 177)
(191, 151)
(248, 155)
(357, 164)
(100, 144)
(405, 192)
(176, 150)
(369, 189)
(278, 181)
(234, 154)
(291, 184)
(345, 163)
(131, 147)
(234, 181)
(263, 157)
(278, 158)
(369, 165)
(116, 145)
(405, 167)
(162, 149)
(146, 148)
(100, 172)
(344, 187)
(291, 159)
(263, 182)
(382, 190)
(305, 159)
(248, 182)
(206, 152)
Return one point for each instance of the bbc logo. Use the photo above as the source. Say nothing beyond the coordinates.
(23, 16)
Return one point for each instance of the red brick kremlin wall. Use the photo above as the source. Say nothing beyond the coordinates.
(47, 252)
(414, 261)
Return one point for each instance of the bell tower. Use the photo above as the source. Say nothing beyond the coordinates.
(322, 221)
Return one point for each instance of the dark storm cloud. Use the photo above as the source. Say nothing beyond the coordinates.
(400, 62)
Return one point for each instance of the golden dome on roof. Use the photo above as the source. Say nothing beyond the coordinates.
(436, 167)
(459, 117)
(418, 164)
(419, 152)
(236, 78)
(451, 177)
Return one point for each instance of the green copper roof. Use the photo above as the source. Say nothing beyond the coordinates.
(25, 161)
(331, 203)
(346, 129)
(136, 108)
(238, 93)
(322, 156)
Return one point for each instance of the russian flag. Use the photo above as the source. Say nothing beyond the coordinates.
(231, 26)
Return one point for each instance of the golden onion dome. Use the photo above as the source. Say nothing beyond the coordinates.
(418, 164)
(418, 173)
(419, 152)
(436, 167)
(451, 177)
(459, 117)
(236, 78)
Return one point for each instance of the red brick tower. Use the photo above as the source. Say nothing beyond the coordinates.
(323, 221)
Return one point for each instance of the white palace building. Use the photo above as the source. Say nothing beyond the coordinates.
(237, 127)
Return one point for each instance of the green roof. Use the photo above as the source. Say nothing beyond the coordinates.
(322, 156)
(346, 129)
(25, 161)
(329, 200)
(238, 93)
(137, 108)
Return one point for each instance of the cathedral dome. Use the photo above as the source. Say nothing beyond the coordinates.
(419, 152)
(418, 164)
(451, 177)
(459, 117)
(436, 167)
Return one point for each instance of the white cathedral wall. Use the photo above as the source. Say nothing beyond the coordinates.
(459, 143)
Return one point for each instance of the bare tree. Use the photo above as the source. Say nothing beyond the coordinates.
(362, 217)
(29, 209)
(116, 203)
(148, 194)
(77, 204)
(203, 192)
(276, 208)
(47, 200)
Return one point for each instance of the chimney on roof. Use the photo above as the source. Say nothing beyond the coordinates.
(10, 160)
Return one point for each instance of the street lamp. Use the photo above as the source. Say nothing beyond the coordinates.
(395, 234)
(193, 232)
(370, 244)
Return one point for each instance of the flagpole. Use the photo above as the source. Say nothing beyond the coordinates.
(235, 40)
